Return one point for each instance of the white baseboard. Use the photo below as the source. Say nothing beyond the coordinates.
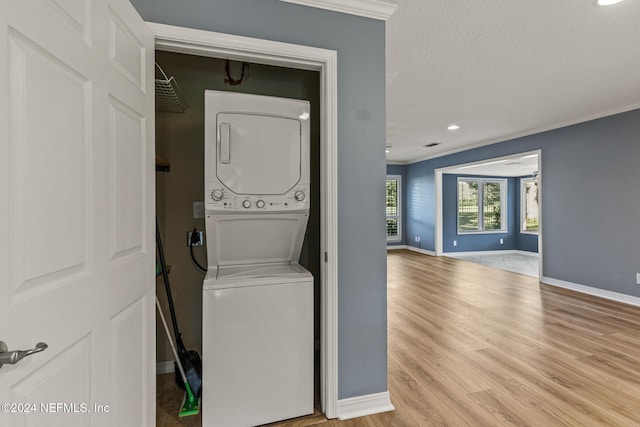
(395, 247)
(361, 406)
(411, 248)
(164, 367)
(504, 252)
(422, 251)
(614, 296)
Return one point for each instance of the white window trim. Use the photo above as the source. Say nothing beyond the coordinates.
(398, 238)
(503, 201)
(523, 211)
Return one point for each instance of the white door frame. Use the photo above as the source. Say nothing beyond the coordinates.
(226, 46)
(439, 208)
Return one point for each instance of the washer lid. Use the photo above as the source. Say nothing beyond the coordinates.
(261, 270)
(252, 276)
(245, 239)
(258, 153)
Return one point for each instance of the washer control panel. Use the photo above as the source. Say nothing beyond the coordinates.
(218, 198)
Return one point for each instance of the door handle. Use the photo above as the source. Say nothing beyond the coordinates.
(225, 142)
(13, 357)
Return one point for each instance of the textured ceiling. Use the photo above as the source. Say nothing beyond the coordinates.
(504, 68)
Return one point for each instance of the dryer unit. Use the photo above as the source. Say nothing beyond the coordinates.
(257, 300)
(256, 153)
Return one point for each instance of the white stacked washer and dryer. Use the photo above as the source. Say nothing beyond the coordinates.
(257, 332)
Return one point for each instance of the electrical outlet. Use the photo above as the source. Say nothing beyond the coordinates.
(198, 209)
(200, 237)
(417, 239)
(637, 278)
(455, 243)
(501, 241)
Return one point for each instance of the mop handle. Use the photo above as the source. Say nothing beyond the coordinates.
(175, 353)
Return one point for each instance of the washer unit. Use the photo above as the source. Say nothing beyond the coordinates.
(257, 300)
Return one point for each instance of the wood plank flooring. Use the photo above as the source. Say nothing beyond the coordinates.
(470, 345)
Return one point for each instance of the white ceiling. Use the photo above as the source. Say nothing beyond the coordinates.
(504, 68)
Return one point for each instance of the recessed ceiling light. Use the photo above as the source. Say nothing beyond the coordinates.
(453, 127)
(607, 2)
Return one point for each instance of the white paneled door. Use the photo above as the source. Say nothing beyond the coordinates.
(76, 213)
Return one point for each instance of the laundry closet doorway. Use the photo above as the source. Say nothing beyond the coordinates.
(179, 141)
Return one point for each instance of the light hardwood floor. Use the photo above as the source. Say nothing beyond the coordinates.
(470, 345)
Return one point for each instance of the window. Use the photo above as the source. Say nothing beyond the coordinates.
(394, 230)
(481, 204)
(529, 205)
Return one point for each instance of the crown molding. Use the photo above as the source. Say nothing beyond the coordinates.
(374, 9)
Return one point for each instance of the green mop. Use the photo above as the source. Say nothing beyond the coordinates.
(190, 403)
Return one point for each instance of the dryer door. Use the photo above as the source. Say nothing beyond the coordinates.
(258, 154)
(247, 239)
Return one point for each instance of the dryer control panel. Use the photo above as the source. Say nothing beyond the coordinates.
(222, 199)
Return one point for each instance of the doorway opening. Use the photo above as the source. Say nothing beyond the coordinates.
(490, 212)
(236, 48)
(180, 143)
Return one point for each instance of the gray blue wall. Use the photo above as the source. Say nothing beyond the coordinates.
(590, 195)
(362, 320)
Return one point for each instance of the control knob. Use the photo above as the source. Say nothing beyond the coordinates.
(217, 195)
(299, 195)
(246, 204)
(260, 204)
